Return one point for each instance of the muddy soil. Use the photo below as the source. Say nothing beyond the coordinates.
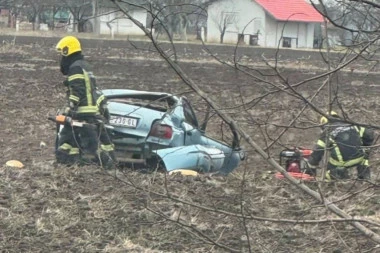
(46, 207)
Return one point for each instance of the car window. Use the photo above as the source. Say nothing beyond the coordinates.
(154, 104)
(190, 117)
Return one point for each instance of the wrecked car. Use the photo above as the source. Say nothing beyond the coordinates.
(161, 130)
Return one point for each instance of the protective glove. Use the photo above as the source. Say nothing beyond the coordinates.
(310, 169)
(309, 165)
(366, 152)
(67, 111)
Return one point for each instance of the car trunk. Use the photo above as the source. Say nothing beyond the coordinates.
(131, 125)
(132, 120)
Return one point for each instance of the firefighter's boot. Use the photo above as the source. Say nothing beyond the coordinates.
(337, 173)
(64, 157)
(107, 160)
(364, 172)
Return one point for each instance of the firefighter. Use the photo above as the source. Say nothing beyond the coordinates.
(84, 103)
(348, 146)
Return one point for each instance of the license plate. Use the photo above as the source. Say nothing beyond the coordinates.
(123, 121)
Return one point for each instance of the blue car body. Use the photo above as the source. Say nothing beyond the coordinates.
(159, 128)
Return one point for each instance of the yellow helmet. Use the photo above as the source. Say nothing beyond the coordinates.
(68, 45)
(324, 120)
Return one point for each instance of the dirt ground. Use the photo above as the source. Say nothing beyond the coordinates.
(46, 207)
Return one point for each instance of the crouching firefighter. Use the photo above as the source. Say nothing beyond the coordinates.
(347, 145)
(84, 103)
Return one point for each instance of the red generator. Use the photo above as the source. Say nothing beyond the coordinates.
(293, 160)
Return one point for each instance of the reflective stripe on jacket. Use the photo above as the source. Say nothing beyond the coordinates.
(82, 90)
(344, 142)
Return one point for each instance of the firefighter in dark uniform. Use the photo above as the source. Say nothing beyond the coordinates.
(348, 147)
(85, 103)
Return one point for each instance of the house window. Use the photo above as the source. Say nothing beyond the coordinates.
(286, 42)
(230, 18)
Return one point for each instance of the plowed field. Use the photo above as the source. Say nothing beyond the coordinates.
(46, 207)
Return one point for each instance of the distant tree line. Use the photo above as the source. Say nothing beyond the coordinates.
(44, 11)
(169, 17)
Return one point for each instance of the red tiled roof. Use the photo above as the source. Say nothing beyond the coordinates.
(291, 10)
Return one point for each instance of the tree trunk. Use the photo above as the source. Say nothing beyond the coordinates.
(182, 28)
(170, 27)
(222, 35)
(37, 21)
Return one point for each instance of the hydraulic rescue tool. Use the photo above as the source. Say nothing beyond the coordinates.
(66, 120)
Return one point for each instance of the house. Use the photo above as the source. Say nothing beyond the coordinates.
(111, 21)
(268, 23)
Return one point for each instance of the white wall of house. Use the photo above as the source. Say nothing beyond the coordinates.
(115, 23)
(251, 19)
(310, 28)
(301, 34)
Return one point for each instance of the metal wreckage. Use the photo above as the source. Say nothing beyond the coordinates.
(158, 130)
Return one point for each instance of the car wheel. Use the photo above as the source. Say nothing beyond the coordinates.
(155, 163)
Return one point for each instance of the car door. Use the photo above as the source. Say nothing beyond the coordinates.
(190, 124)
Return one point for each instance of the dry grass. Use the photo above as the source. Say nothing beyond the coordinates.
(84, 209)
(49, 208)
